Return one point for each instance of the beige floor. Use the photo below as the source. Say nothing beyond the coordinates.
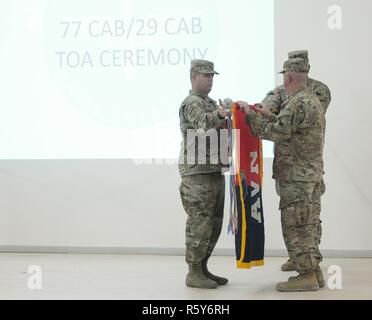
(143, 277)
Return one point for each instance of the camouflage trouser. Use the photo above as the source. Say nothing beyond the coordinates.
(317, 208)
(203, 198)
(301, 225)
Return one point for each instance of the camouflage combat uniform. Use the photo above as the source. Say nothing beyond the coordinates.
(202, 188)
(276, 97)
(274, 100)
(298, 134)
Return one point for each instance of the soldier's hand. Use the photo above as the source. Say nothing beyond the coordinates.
(262, 106)
(245, 107)
(264, 110)
(222, 112)
(273, 108)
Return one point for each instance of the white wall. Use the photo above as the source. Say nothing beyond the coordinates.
(342, 60)
(102, 203)
(115, 203)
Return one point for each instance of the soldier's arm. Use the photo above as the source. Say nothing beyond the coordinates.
(279, 130)
(196, 114)
(324, 95)
(273, 100)
(223, 125)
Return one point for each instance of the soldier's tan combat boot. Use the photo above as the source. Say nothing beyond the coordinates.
(319, 277)
(288, 266)
(196, 278)
(303, 282)
(220, 280)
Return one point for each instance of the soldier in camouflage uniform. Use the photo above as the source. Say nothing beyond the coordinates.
(274, 101)
(202, 188)
(298, 134)
(275, 98)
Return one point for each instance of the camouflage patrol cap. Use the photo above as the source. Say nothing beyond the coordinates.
(303, 54)
(295, 65)
(202, 66)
